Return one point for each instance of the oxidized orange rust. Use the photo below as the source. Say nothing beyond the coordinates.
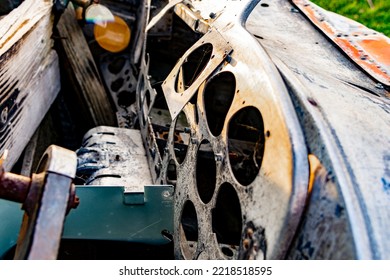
(366, 47)
(14, 187)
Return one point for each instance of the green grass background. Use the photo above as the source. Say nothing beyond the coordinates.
(377, 17)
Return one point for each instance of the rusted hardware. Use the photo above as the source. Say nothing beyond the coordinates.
(46, 198)
(13, 187)
(16, 188)
(74, 200)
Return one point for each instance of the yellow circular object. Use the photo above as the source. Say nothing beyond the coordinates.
(113, 36)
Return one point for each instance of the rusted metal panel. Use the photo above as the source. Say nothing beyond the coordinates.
(366, 47)
(51, 194)
(236, 132)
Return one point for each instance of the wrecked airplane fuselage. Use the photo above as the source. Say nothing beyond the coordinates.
(243, 131)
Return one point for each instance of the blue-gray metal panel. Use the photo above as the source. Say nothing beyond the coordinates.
(103, 214)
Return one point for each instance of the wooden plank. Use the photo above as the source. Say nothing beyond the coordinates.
(29, 74)
(39, 95)
(84, 70)
(20, 21)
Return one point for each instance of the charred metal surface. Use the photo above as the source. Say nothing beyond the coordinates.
(113, 157)
(177, 97)
(113, 170)
(253, 242)
(121, 84)
(329, 96)
(270, 153)
(143, 14)
(231, 159)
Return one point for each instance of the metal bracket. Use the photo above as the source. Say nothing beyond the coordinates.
(221, 48)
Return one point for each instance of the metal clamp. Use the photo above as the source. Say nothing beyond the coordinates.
(46, 198)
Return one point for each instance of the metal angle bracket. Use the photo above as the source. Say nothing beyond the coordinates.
(221, 49)
(107, 213)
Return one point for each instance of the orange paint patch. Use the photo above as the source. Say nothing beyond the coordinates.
(367, 48)
(379, 48)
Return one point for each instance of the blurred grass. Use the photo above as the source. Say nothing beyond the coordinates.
(376, 17)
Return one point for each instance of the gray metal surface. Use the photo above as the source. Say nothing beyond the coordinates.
(216, 220)
(346, 121)
(108, 213)
(118, 200)
(113, 156)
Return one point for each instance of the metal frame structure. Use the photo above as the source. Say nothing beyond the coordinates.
(256, 130)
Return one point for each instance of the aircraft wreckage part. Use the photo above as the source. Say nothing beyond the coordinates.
(366, 47)
(230, 142)
(121, 84)
(161, 14)
(340, 108)
(46, 198)
(215, 50)
(113, 166)
(192, 18)
(118, 218)
(113, 156)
